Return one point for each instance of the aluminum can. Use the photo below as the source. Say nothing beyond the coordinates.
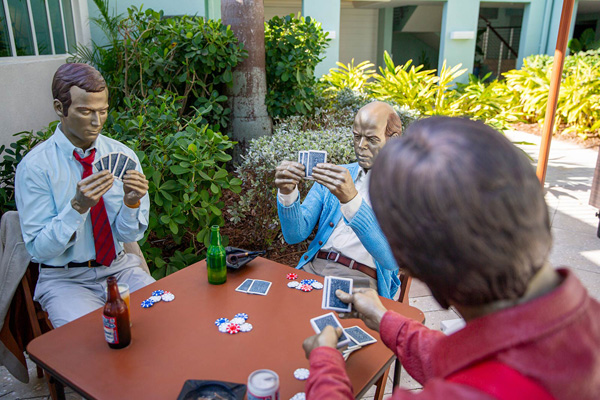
(263, 384)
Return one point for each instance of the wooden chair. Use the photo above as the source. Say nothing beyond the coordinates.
(405, 282)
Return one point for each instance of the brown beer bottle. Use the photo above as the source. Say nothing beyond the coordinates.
(117, 330)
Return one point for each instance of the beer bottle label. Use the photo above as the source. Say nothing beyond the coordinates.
(110, 329)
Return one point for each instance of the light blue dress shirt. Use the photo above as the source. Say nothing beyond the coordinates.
(46, 181)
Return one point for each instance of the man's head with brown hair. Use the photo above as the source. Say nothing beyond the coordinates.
(463, 211)
(83, 76)
(81, 103)
(373, 125)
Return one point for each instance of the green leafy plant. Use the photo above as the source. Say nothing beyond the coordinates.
(348, 76)
(293, 47)
(587, 41)
(184, 161)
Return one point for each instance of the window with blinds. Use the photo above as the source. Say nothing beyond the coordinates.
(36, 27)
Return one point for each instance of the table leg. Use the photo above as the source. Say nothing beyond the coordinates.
(397, 372)
(57, 390)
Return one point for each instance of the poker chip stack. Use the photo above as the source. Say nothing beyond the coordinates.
(305, 285)
(158, 295)
(235, 325)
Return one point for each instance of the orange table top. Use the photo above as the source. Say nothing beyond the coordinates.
(176, 341)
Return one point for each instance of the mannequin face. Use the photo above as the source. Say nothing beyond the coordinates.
(85, 118)
(369, 133)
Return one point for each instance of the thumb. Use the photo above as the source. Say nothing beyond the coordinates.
(343, 296)
(338, 331)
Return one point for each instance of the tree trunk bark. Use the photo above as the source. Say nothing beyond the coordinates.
(247, 96)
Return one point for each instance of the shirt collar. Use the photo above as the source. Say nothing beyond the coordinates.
(65, 145)
(493, 333)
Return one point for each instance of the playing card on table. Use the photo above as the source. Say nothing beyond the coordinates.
(314, 157)
(359, 336)
(319, 323)
(245, 286)
(330, 300)
(259, 287)
(121, 162)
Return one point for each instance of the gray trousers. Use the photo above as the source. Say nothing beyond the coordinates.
(69, 293)
(322, 267)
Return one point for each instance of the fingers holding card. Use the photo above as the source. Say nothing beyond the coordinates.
(310, 159)
(117, 163)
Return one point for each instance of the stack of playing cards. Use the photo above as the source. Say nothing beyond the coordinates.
(358, 339)
(254, 286)
(330, 300)
(116, 163)
(309, 159)
(319, 323)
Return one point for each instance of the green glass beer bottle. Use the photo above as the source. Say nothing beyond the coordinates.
(215, 258)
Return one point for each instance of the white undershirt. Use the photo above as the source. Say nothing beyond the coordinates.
(343, 239)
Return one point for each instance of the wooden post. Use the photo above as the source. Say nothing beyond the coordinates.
(557, 68)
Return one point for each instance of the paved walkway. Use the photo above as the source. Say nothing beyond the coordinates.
(574, 225)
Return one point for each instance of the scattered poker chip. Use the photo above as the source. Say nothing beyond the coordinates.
(292, 276)
(155, 299)
(301, 374)
(299, 287)
(167, 296)
(305, 282)
(232, 328)
(223, 327)
(241, 315)
(306, 288)
(238, 321)
(221, 320)
(293, 284)
(299, 396)
(246, 327)
(158, 293)
(147, 303)
(317, 285)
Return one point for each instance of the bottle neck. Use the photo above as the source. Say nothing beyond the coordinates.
(215, 237)
(113, 290)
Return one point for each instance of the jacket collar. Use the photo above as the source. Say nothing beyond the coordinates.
(488, 335)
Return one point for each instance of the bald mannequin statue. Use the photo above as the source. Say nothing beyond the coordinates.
(349, 242)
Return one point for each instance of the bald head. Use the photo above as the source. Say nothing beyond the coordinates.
(373, 125)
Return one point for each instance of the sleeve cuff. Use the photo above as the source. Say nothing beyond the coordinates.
(287, 200)
(350, 208)
(390, 325)
(71, 217)
(129, 214)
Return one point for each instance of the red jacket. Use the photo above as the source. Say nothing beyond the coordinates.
(554, 340)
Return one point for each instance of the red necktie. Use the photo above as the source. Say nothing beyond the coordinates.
(103, 237)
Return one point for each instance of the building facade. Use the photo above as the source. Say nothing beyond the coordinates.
(36, 35)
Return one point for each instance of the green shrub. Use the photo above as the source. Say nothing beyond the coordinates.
(349, 76)
(184, 161)
(293, 48)
(189, 56)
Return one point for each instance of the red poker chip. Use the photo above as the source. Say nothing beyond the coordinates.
(306, 288)
(233, 328)
(292, 276)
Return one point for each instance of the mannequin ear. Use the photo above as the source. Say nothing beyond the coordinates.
(58, 108)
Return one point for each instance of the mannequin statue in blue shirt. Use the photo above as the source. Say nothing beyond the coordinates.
(56, 202)
(349, 242)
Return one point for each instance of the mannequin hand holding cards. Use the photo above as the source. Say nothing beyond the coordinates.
(123, 167)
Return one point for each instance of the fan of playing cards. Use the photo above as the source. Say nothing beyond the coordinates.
(116, 163)
(310, 159)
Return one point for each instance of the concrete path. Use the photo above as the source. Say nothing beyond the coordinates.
(574, 225)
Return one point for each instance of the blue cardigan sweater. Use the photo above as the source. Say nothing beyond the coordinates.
(299, 220)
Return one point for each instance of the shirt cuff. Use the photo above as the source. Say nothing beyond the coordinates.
(350, 208)
(72, 218)
(287, 200)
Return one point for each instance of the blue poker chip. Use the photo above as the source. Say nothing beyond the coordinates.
(147, 303)
(241, 315)
(305, 281)
(221, 321)
(158, 293)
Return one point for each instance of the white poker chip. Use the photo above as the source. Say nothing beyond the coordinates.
(168, 296)
(155, 299)
(293, 284)
(301, 374)
(299, 287)
(223, 327)
(246, 327)
(299, 396)
(317, 285)
(238, 321)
